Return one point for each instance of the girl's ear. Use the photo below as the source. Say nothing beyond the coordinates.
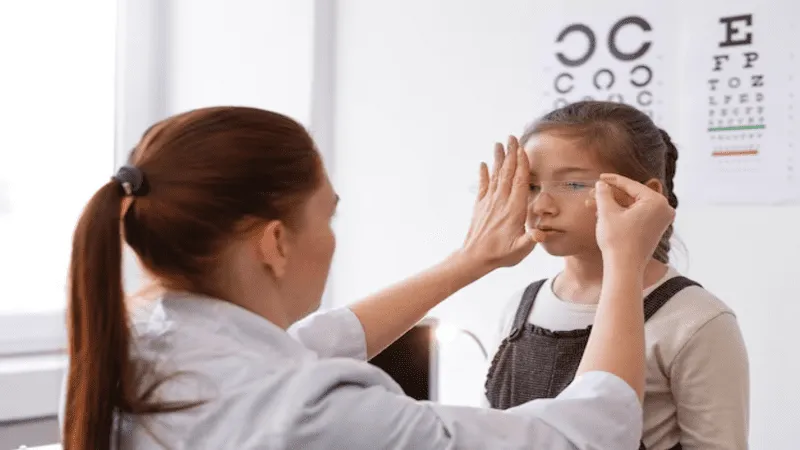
(656, 185)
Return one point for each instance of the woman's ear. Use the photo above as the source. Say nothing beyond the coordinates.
(273, 247)
(656, 185)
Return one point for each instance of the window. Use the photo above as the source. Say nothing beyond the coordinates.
(57, 119)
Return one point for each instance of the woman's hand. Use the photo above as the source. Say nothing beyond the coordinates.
(629, 233)
(497, 236)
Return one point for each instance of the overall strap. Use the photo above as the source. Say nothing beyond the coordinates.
(524, 309)
(662, 294)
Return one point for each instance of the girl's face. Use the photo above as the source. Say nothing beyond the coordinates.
(562, 176)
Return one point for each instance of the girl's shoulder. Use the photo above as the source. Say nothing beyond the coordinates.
(693, 305)
(683, 317)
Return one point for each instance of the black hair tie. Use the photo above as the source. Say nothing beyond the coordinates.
(132, 181)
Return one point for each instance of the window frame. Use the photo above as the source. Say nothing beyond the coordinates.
(33, 345)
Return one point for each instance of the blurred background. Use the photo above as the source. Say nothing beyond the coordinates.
(405, 99)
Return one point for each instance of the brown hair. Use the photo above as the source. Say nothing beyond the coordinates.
(624, 138)
(207, 173)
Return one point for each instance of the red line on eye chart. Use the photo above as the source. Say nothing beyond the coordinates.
(720, 153)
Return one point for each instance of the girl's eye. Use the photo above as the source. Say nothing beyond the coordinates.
(534, 188)
(576, 185)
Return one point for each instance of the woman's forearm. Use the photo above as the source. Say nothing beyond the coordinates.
(616, 344)
(388, 314)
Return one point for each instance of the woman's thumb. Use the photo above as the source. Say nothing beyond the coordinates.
(524, 244)
(604, 197)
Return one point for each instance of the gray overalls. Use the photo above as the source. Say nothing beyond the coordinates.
(533, 362)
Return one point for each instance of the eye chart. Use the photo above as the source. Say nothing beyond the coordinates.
(609, 52)
(740, 103)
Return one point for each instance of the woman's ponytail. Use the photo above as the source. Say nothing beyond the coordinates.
(99, 368)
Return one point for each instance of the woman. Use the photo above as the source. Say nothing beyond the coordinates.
(229, 210)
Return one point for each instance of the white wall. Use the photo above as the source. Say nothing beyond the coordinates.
(241, 52)
(423, 90)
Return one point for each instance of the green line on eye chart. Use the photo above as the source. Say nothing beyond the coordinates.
(740, 128)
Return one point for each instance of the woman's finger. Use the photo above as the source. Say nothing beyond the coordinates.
(521, 187)
(604, 198)
(499, 157)
(507, 175)
(483, 185)
(628, 186)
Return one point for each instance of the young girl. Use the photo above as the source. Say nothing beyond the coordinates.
(697, 384)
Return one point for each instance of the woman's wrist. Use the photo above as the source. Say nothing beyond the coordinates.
(468, 266)
(619, 262)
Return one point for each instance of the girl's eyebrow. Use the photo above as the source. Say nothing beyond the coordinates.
(571, 170)
(568, 171)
